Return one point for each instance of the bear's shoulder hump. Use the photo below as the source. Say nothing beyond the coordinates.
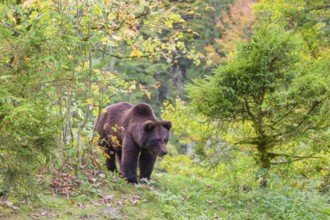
(142, 109)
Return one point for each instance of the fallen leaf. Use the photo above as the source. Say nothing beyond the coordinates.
(15, 208)
(106, 199)
(134, 202)
(34, 216)
(136, 196)
(81, 205)
(93, 180)
(8, 203)
(52, 215)
(109, 197)
(96, 203)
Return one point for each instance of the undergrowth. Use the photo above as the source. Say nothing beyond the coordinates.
(180, 189)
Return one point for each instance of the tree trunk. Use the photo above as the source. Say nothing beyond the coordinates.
(79, 134)
(87, 96)
(264, 163)
(68, 124)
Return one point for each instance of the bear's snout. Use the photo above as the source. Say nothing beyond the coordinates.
(162, 153)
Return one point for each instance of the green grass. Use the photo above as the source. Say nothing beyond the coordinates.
(178, 196)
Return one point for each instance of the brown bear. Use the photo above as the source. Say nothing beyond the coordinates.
(134, 135)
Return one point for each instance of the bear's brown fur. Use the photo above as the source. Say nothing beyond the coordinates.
(133, 134)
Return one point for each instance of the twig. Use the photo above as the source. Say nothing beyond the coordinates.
(272, 155)
(253, 141)
(10, 27)
(291, 161)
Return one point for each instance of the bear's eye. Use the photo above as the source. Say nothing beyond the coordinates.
(156, 141)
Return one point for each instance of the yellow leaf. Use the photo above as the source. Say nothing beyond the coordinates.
(156, 85)
(105, 40)
(136, 53)
(324, 172)
(111, 16)
(132, 87)
(147, 94)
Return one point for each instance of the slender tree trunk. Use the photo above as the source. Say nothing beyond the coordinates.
(61, 139)
(88, 107)
(79, 133)
(68, 125)
(264, 163)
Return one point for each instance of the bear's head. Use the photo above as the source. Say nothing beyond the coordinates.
(155, 136)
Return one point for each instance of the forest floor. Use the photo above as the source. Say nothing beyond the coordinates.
(98, 194)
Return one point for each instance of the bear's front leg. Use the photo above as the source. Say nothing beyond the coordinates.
(129, 159)
(111, 160)
(146, 163)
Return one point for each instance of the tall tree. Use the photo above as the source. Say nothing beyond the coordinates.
(269, 85)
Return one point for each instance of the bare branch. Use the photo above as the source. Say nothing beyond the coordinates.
(272, 155)
(315, 104)
(10, 27)
(284, 116)
(248, 110)
(253, 141)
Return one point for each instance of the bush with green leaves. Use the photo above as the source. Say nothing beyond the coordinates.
(27, 141)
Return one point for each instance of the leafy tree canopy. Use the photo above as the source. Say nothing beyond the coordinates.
(272, 85)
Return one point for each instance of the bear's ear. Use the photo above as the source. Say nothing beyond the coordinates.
(166, 124)
(149, 125)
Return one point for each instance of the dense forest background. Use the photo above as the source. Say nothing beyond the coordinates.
(245, 83)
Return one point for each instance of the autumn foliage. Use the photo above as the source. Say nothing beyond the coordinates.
(236, 24)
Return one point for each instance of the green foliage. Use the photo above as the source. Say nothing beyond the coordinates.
(27, 140)
(197, 136)
(241, 197)
(63, 61)
(193, 131)
(269, 84)
(188, 191)
(192, 51)
(308, 18)
(260, 66)
(57, 64)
